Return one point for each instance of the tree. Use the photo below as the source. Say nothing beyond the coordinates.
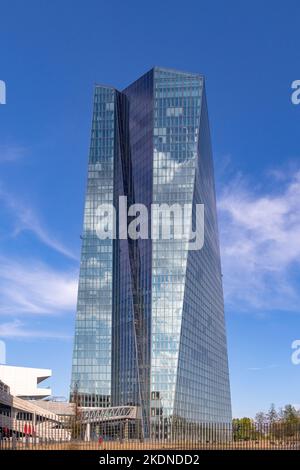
(272, 414)
(76, 426)
(290, 415)
(261, 419)
(243, 429)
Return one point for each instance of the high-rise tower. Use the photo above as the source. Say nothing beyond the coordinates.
(150, 327)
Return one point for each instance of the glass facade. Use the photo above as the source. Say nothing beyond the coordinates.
(132, 273)
(91, 367)
(150, 327)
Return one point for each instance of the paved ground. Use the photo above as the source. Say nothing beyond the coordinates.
(137, 445)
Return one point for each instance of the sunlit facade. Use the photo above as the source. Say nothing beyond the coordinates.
(91, 368)
(150, 327)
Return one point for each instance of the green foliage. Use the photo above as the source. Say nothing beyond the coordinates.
(243, 429)
(282, 424)
(290, 415)
(272, 414)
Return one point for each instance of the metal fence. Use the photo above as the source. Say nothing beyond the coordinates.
(24, 432)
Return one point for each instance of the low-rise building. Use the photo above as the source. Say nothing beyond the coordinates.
(23, 381)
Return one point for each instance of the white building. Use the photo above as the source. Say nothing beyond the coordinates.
(23, 381)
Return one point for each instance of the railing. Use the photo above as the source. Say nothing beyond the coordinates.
(125, 434)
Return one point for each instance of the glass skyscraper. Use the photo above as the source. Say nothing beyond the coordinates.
(150, 327)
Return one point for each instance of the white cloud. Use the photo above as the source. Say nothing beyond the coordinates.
(170, 170)
(260, 242)
(26, 219)
(17, 329)
(272, 366)
(11, 153)
(31, 287)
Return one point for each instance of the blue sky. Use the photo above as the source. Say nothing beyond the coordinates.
(52, 53)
